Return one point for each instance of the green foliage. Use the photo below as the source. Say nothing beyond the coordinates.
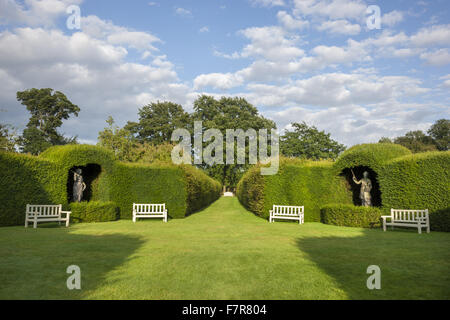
(44, 180)
(48, 109)
(201, 189)
(8, 138)
(350, 216)
(310, 143)
(440, 132)
(302, 183)
(440, 220)
(418, 181)
(118, 140)
(141, 183)
(26, 180)
(157, 121)
(228, 113)
(94, 211)
(416, 141)
(371, 155)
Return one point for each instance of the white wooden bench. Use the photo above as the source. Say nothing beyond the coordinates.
(141, 210)
(287, 212)
(407, 218)
(45, 213)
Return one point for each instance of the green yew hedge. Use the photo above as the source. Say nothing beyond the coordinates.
(419, 181)
(372, 155)
(350, 216)
(406, 181)
(304, 183)
(94, 211)
(44, 180)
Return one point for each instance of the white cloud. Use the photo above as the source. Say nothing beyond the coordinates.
(392, 18)
(432, 36)
(333, 9)
(34, 12)
(203, 29)
(291, 23)
(268, 3)
(271, 43)
(217, 80)
(183, 12)
(116, 35)
(340, 26)
(437, 58)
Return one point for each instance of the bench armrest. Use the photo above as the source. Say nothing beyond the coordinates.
(386, 217)
(67, 213)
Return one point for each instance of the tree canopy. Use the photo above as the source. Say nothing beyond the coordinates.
(310, 143)
(48, 109)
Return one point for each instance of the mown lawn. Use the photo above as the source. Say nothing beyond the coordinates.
(223, 252)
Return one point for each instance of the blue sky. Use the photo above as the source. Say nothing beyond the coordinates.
(296, 60)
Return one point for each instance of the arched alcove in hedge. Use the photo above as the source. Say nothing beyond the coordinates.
(355, 188)
(91, 174)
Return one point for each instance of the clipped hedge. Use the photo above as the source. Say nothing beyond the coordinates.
(304, 183)
(201, 189)
(373, 155)
(94, 211)
(419, 181)
(45, 180)
(350, 216)
(26, 180)
(140, 183)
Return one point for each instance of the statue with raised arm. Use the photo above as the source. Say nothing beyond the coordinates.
(366, 187)
(78, 185)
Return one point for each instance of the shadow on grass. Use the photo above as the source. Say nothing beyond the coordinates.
(33, 263)
(412, 266)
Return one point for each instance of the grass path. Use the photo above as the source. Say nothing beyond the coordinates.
(223, 252)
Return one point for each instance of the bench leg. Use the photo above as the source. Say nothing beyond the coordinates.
(428, 228)
(134, 218)
(419, 227)
(67, 222)
(35, 223)
(26, 222)
(384, 224)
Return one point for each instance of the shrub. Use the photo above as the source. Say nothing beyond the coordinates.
(350, 216)
(304, 183)
(418, 181)
(45, 180)
(26, 180)
(370, 155)
(201, 190)
(94, 211)
(440, 220)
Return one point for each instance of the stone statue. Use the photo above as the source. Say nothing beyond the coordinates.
(78, 186)
(366, 187)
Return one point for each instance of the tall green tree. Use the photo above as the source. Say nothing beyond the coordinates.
(309, 143)
(440, 132)
(157, 121)
(228, 113)
(48, 109)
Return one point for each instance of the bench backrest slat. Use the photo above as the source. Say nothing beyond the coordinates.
(287, 210)
(44, 210)
(146, 208)
(408, 215)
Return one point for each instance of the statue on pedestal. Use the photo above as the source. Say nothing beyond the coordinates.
(78, 186)
(366, 187)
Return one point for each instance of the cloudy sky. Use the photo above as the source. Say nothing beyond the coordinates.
(296, 60)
